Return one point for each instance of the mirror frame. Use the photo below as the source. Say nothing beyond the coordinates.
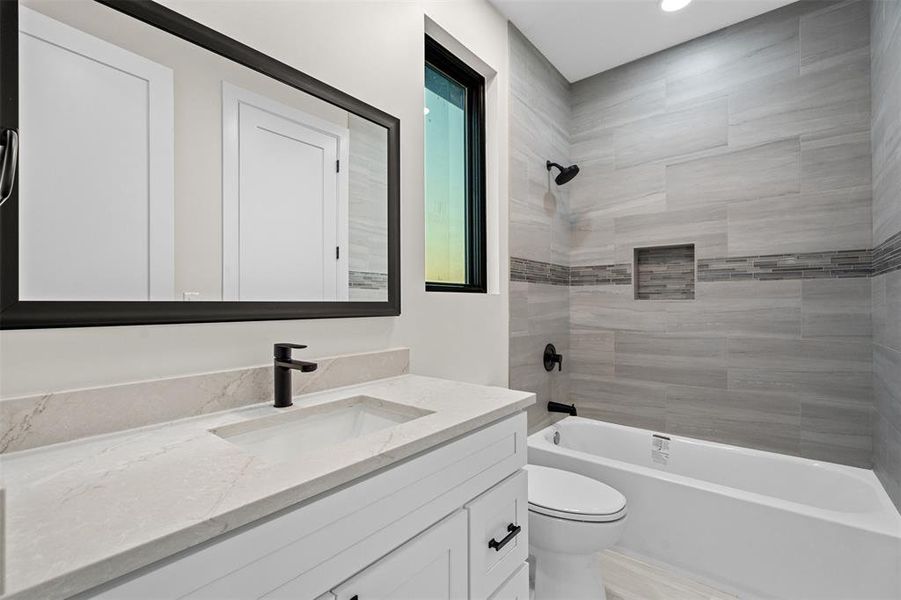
(18, 314)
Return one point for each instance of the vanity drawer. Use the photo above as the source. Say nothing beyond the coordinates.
(498, 534)
(515, 588)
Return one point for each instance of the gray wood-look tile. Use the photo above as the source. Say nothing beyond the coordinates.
(539, 130)
(538, 309)
(545, 387)
(808, 222)
(887, 457)
(627, 578)
(696, 361)
(878, 310)
(810, 356)
(836, 162)
(751, 320)
(886, 304)
(704, 227)
(840, 386)
(672, 134)
(592, 240)
(613, 307)
(540, 117)
(837, 432)
(885, 48)
(623, 401)
(617, 192)
(767, 170)
(591, 351)
(593, 146)
(627, 93)
(538, 314)
(836, 308)
(887, 385)
(828, 101)
(767, 421)
(834, 34)
(886, 208)
(740, 308)
(734, 57)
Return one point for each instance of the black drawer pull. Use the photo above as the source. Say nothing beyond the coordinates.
(514, 531)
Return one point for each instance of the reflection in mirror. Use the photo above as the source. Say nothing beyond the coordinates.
(153, 169)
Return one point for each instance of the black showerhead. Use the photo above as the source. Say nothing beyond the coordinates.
(566, 174)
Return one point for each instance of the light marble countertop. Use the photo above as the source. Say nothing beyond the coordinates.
(82, 513)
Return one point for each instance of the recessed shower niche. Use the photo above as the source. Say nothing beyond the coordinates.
(665, 272)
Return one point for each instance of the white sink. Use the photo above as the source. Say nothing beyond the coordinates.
(296, 432)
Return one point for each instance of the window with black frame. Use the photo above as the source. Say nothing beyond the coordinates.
(454, 173)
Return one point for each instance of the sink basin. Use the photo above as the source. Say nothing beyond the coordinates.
(291, 434)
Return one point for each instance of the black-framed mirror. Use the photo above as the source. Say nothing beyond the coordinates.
(154, 171)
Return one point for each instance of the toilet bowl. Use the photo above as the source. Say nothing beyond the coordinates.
(572, 518)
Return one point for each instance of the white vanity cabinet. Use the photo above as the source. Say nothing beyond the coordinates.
(432, 566)
(515, 588)
(450, 522)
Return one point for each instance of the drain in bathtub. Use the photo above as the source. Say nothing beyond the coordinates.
(556, 438)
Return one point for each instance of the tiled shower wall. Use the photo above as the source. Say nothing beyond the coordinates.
(886, 282)
(753, 144)
(540, 115)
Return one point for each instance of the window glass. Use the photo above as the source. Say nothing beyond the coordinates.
(445, 178)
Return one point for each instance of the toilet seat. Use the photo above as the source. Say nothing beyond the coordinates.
(573, 497)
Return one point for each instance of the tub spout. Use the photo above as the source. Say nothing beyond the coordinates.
(569, 409)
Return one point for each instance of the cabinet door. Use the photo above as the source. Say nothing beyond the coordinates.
(491, 517)
(431, 566)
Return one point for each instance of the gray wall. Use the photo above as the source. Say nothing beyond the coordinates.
(886, 287)
(539, 226)
(754, 140)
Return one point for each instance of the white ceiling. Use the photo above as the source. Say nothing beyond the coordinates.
(584, 37)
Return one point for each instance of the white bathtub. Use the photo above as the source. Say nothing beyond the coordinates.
(764, 524)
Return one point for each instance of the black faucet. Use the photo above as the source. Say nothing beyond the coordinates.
(283, 365)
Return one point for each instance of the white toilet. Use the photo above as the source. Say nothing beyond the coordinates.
(572, 518)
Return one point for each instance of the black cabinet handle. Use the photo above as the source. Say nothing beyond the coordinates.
(514, 531)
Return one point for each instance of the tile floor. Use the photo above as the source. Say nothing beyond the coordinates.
(627, 578)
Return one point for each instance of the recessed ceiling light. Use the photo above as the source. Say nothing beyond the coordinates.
(673, 5)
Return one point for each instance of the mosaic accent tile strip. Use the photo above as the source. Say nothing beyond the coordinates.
(368, 280)
(887, 255)
(619, 274)
(835, 264)
(665, 273)
(533, 271)
(808, 265)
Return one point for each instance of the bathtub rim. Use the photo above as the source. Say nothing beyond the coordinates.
(886, 521)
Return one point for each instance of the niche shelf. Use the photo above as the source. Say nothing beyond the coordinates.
(665, 272)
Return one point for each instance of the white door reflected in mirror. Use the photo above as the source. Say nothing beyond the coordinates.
(96, 173)
(284, 202)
